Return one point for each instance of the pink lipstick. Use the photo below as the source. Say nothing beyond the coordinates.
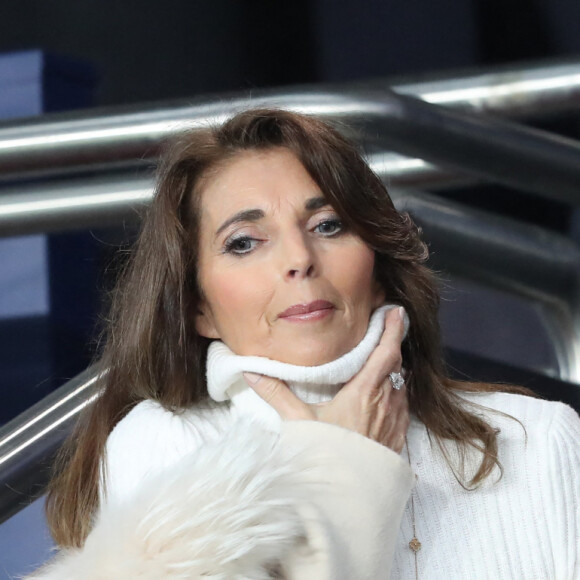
(306, 312)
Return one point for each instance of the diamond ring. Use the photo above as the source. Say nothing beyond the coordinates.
(397, 380)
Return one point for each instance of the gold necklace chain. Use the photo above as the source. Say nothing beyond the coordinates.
(414, 544)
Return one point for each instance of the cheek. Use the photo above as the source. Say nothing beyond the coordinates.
(354, 270)
(224, 295)
(237, 300)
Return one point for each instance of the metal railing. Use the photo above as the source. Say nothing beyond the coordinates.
(114, 137)
(65, 144)
(487, 148)
(28, 443)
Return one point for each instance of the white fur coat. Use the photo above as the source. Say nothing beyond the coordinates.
(254, 505)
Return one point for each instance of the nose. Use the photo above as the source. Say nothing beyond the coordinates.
(298, 257)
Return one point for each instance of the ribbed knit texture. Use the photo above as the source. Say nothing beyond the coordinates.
(524, 526)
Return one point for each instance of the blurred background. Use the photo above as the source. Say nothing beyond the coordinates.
(58, 57)
(144, 51)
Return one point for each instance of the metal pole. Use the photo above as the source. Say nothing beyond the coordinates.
(29, 442)
(112, 200)
(74, 204)
(58, 144)
(493, 149)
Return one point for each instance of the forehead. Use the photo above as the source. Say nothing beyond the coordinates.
(256, 178)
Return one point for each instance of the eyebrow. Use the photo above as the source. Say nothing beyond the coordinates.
(253, 215)
(247, 215)
(315, 203)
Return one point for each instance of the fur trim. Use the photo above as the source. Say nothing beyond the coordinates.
(229, 511)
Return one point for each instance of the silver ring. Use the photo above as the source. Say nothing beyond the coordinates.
(397, 381)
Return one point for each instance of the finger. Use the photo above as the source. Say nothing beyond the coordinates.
(392, 408)
(387, 354)
(385, 358)
(380, 417)
(393, 335)
(396, 428)
(401, 427)
(396, 399)
(277, 394)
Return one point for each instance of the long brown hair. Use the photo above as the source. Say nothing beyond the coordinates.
(152, 350)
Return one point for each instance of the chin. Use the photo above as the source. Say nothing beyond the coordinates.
(312, 356)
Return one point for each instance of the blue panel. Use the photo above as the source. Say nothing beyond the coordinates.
(33, 82)
(38, 320)
(21, 84)
(25, 542)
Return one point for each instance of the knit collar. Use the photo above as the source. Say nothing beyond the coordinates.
(314, 384)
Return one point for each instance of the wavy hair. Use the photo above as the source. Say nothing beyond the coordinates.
(152, 350)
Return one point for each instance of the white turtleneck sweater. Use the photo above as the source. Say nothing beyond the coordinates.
(526, 525)
(232, 400)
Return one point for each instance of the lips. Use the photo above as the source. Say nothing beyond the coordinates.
(308, 311)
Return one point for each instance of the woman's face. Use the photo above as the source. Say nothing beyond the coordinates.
(280, 275)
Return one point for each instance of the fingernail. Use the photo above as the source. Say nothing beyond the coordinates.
(401, 312)
(252, 378)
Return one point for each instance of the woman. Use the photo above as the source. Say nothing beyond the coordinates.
(271, 239)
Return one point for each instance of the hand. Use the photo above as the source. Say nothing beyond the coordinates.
(367, 404)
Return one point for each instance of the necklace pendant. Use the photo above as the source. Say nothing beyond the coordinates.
(415, 545)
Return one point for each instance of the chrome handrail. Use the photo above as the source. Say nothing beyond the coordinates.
(523, 259)
(73, 204)
(115, 199)
(109, 138)
(488, 148)
(30, 441)
(530, 90)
